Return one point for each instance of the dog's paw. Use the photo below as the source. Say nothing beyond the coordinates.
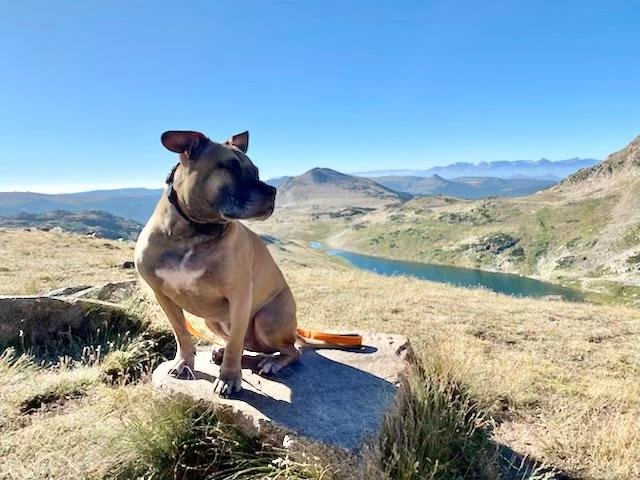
(271, 364)
(217, 355)
(182, 370)
(227, 383)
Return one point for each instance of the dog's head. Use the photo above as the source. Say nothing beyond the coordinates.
(217, 181)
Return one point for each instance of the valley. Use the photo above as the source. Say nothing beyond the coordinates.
(582, 233)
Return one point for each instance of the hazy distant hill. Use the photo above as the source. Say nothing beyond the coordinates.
(539, 169)
(103, 224)
(277, 181)
(465, 187)
(133, 203)
(328, 188)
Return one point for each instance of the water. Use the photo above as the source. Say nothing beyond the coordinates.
(463, 277)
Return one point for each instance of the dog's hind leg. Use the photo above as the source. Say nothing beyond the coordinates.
(275, 331)
(217, 354)
(185, 354)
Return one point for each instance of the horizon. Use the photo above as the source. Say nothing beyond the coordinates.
(90, 89)
(106, 188)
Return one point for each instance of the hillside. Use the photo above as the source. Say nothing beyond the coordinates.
(464, 187)
(103, 224)
(328, 189)
(554, 381)
(625, 162)
(539, 169)
(134, 203)
(583, 233)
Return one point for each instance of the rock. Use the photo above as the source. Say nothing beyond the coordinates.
(128, 264)
(334, 397)
(31, 320)
(110, 292)
(66, 291)
(494, 243)
(114, 292)
(552, 298)
(42, 323)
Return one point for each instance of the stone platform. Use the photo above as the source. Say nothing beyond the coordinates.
(336, 397)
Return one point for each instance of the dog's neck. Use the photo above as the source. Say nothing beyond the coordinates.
(180, 223)
(177, 226)
(179, 220)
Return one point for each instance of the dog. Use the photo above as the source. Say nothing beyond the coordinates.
(197, 257)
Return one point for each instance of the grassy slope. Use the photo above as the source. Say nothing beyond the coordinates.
(559, 379)
(37, 261)
(584, 232)
(583, 241)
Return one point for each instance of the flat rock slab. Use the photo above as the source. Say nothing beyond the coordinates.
(31, 321)
(336, 397)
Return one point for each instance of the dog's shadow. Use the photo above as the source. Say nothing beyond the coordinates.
(329, 400)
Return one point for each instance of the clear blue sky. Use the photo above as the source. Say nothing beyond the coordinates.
(86, 88)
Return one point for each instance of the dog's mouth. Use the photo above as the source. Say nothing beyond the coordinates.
(251, 216)
(266, 214)
(257, 203)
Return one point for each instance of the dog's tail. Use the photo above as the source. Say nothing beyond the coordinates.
(327, 340)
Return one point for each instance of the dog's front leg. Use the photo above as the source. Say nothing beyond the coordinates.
(183, 363)
(230, 379)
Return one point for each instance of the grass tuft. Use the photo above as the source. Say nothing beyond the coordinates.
(14, 367)
(436, 430)
(130, 363)
(179, 438)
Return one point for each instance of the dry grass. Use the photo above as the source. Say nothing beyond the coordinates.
(435, 429)
(35, 261)
(559, 380)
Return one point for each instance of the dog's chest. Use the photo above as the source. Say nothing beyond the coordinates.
(180, 271)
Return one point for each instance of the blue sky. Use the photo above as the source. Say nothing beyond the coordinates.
(86, 88)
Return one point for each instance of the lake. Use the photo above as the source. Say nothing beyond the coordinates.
(462, 277)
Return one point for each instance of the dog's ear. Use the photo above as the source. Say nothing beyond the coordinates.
(240, 141)
(183, 142)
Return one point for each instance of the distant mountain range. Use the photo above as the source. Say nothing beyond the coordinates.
(505, 169)
(134, 203)
(326, 186)
(465, 187)
(103, 224)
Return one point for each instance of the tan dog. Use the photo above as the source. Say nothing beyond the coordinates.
(196, 257)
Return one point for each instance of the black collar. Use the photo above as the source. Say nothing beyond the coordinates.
(201, 228)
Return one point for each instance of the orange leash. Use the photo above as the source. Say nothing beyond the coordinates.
(196, 332)
(344, 340)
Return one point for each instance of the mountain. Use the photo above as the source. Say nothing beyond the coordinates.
(539, 169)
(327, 188)
(465, 187)
(277, 181)
(103, 224)
(583, 232)
(624, 163)
(134, 203)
